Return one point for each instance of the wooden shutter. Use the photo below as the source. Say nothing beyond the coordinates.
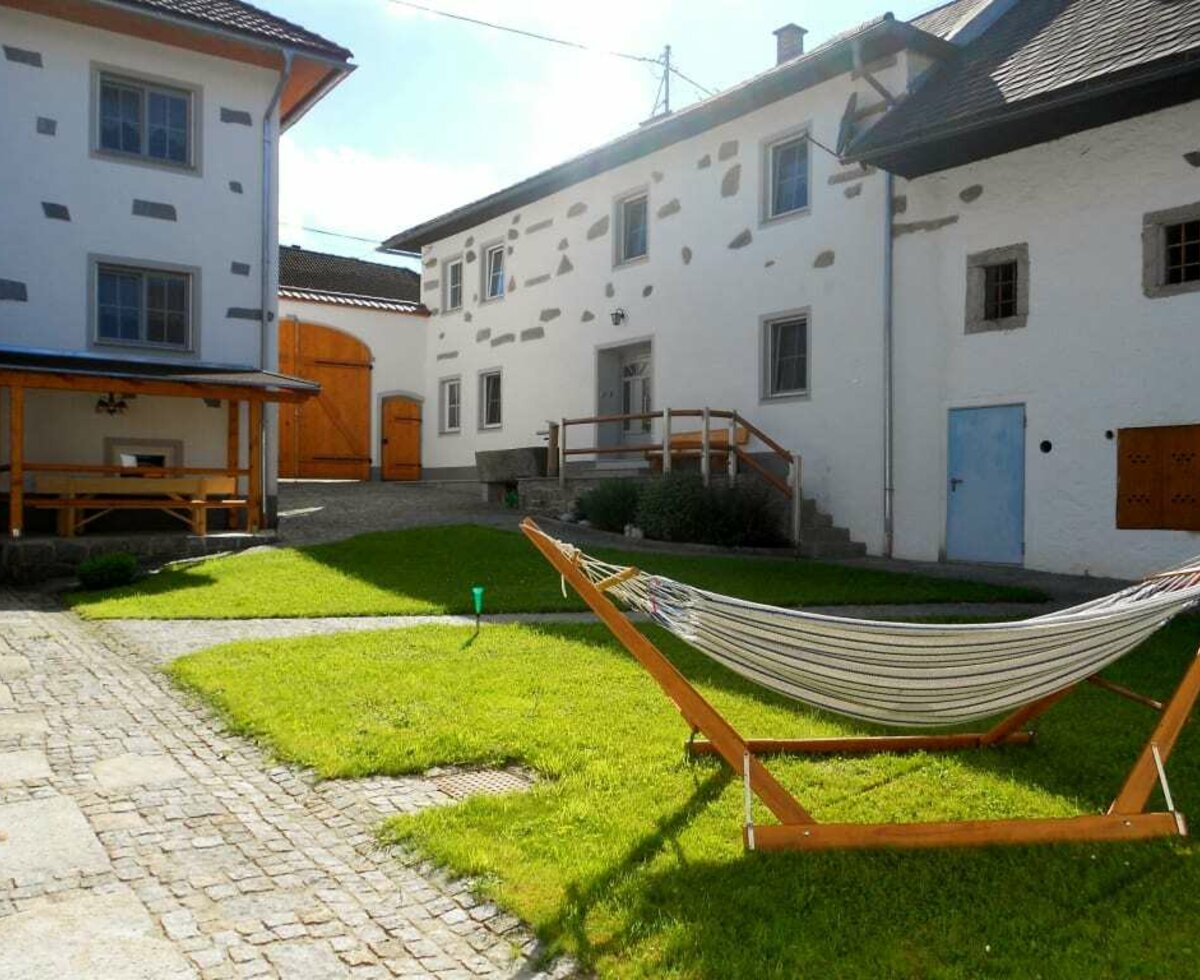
(1158, 478)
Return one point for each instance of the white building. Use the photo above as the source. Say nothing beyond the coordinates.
(137, 265)
(952, 263)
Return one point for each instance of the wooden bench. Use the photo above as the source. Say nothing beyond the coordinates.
(692, 444)
(187, 498)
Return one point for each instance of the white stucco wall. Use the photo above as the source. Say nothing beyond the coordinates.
(1095, 356)
(703, 318)
(397, 342)
(215, 226)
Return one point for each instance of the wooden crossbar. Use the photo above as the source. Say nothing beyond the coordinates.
(798, 830)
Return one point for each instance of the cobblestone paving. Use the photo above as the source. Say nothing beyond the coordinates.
(245, 869)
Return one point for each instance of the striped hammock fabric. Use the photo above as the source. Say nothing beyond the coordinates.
(903, 674)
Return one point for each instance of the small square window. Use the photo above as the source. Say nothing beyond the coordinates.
(454, 283)
(1171, 251)
(140, 119)
(786, 356)
(143, 307)
(787, 177)
(633, 214)
(1000, 291)
(451, 404)
(1182, 252)
(493, 272)
(490, 400)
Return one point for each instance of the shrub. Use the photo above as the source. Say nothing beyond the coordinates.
(610, 505)
(108, 571)
(678, 507)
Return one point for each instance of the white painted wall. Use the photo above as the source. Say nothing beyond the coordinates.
(397, 342)
(1096, 354)
(215, 226)
(702, 318)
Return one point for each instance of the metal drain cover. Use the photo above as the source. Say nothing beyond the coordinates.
(460, 784)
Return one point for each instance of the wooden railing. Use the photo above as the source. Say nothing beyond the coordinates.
(730, 448)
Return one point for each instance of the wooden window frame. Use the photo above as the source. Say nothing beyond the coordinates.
(100, 264)
(145, 84)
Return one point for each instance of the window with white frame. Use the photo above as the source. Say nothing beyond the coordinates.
(146, 307)
(493, 272)
(633, 219)
(145, 120)
(787, 176)
(453, 277)
(785, 355)
(451, 404)
(490, 400)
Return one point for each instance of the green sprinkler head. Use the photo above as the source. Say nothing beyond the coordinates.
(477, 595)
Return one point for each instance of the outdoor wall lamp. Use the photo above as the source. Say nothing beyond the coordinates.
(617, 316)
(111, 404)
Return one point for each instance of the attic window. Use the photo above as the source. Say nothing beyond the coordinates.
(998, 289)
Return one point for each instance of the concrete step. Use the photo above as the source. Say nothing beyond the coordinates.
(831, 550)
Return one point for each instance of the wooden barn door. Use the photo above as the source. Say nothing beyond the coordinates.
(328, 437)
(401, 439)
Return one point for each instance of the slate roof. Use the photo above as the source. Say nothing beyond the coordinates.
(244, 18)
(1039, 53)
(321, 277)
(944, 19)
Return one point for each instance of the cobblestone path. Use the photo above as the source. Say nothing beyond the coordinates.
(138, 840)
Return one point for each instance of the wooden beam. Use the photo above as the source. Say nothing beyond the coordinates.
(1022, 716)
(1124, 692)
(66, 381)
(233, 451)
(697, 712)
(16, 461)
(967, 833)
(254, 484)
(861, 745)
(1144, 774)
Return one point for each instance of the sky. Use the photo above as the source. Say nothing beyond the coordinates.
(440, 113)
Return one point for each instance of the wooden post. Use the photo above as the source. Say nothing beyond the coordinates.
(705, 446)
(666, 440)
(731, 446)
(562, 454)
(1144, 774)
(233, 454)
(797, 499)
(255, 488)
(552, 449)
(16, 459)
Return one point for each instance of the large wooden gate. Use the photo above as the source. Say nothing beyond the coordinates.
(400, 421)
(328, 437)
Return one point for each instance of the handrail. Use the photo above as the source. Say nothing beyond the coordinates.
(152, 471)
(727, 448)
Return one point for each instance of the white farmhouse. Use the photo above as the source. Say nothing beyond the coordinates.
(137, 267)
(953, 263)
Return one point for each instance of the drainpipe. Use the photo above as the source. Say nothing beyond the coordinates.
(268, 189)
(889, 466)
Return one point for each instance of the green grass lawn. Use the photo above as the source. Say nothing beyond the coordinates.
(431, 571)
(630, 858)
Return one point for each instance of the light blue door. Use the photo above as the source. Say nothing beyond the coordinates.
(985, 509)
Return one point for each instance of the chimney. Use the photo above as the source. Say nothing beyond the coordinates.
(789, 42)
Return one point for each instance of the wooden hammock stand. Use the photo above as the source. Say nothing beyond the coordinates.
(1126, 818)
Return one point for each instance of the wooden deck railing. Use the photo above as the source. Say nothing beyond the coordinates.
(669, 447)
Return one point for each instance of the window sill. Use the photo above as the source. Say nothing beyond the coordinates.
(450, 432)
(492, 428)
(147, 345)
(136, 160)
(487, 300)
(452, 309)
(631, 263)
(997, 326)
(770, 221)
(786, 396)
(1166, 291)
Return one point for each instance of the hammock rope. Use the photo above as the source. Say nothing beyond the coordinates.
(902, 674)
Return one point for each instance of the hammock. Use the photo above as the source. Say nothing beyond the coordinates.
(903, 674)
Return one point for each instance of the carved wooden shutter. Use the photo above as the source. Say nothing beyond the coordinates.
(1158, 477)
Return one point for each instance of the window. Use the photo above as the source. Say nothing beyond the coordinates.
(453, 277)
(787, 177)
(143, 306)
(140, 119)
(493, 272)
(489, 400)
(786, 355)
(998, 289)
(632, 228)
(451, 404)
(1158, 478)
(1171, 251)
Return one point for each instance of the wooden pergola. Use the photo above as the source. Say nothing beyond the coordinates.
(75, 490)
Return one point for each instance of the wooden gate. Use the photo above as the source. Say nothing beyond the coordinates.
(401, 449)
(328, 437)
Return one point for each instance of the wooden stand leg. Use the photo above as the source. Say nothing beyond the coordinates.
(254, 490)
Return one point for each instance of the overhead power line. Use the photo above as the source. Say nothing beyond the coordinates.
(331, 234)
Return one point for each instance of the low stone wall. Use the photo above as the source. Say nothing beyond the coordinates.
(35, 559)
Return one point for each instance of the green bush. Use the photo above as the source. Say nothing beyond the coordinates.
(108, 571)
(679, 507)
(610, 505)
